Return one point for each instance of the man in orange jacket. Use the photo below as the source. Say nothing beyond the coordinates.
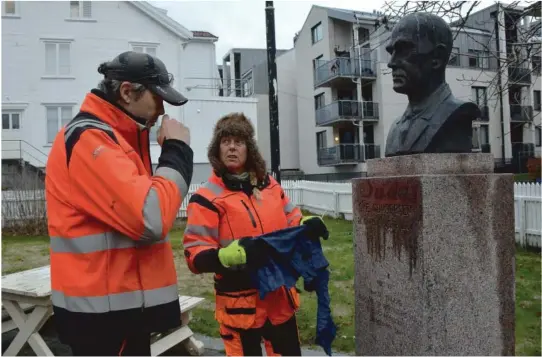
(113, 276)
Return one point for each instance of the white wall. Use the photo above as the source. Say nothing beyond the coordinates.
(305, 52)
(288, 120)
(200, 75)
(264, 133)
(93, 41)
(201, 115)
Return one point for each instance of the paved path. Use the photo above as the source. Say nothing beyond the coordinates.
(213, 346)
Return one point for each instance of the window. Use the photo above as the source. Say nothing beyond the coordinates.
(11, 120)
(57, 58)
(321, 140)
(363, 35)
(148, 49)
(57, 117)
(319, 101)
(537, 99)
(538, 136)
(478, 59)
(80, 9)
(480, 137)
(247, 84)
(317, 33)
(479, 95)
(317, 62)
(454, 57)
(537, 64)
(9, 8)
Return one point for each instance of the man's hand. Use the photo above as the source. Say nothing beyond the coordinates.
(172, 129)
(233, 254)
(316, 226)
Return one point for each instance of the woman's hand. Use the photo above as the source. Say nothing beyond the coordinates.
(233, 254)
(316, 226)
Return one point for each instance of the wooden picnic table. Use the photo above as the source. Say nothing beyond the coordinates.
(31, 290)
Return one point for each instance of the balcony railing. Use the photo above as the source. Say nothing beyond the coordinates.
(347, 154)
(346, 110)
(521, 113)
(328, 73)
(519, 75)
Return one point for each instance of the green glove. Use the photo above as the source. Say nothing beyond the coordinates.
(316, 226)
(233, 254)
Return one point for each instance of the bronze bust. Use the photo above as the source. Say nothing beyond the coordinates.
(434, 121)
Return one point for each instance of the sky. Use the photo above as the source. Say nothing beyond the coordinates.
(241, 23)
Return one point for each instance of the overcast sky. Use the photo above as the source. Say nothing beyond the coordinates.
(241, 23)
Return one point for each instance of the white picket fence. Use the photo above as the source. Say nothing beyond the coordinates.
(335, 199)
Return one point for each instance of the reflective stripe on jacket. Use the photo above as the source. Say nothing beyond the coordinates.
(108, 220)
(217, 215)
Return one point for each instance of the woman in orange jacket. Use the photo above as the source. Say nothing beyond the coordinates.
(239, 201)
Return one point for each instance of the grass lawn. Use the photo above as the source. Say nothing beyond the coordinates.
(20, 253)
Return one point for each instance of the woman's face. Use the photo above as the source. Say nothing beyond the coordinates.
(233, 153)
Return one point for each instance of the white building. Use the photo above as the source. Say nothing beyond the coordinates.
(346, 103)
(244, 73)
(49, 64)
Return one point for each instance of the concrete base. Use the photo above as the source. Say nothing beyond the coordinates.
(434, 257)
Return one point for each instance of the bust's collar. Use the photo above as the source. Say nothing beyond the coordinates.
(431, 102)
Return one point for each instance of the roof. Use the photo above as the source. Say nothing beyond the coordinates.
(203, 34)
(161, 17)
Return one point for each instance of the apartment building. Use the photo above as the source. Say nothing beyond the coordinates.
(244, 74)
(346, 102)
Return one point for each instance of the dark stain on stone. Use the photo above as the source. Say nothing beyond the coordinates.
(390, 205)
(476, 196)
(502, 201)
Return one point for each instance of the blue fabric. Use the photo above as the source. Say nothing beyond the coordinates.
(292, 254)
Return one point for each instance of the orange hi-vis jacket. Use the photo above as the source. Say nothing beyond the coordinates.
(220, 212)
(112, 265)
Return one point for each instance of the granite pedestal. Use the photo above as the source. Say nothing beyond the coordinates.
(434, 256)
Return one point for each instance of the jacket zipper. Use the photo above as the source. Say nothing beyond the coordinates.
(250, 214)
(257, 215)
(136, 248)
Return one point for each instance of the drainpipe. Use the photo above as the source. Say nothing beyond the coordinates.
(499, 82)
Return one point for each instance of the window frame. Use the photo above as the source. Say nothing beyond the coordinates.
(16, 9)
(479, 134)
(81, 10)
(537, 94)
(10, 112)
(57, 43)
(145, 46)
(60, 125)
(315, 33)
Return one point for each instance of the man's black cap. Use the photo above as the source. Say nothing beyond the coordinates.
(137, 67)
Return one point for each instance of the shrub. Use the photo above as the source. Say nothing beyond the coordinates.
(534, 165)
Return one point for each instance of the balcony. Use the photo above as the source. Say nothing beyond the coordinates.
(347, 154)
(346, 110)
(340, 71)
(521, 113)
(519, 75)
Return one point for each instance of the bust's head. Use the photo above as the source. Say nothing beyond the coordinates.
(420, 47)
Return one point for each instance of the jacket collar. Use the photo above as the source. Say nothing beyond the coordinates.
(97, 103)
(237, 185)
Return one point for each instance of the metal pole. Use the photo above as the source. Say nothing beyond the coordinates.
(273, 88)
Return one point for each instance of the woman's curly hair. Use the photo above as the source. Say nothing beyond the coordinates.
(238, 125)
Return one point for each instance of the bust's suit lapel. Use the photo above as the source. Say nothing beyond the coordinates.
(426, 121)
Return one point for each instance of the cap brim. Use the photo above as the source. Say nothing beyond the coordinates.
(168, 93)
